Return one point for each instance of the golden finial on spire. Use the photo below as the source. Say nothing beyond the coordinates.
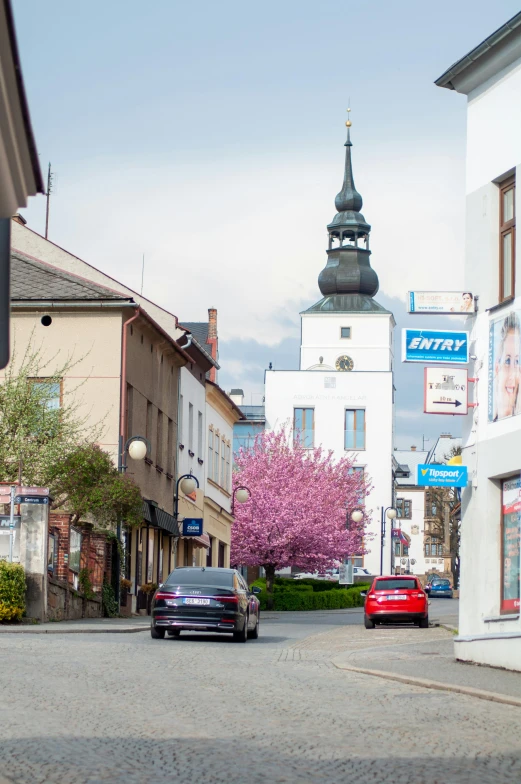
(348, 121)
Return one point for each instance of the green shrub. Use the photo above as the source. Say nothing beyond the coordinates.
(297, 595)
(12, 591)
(108, 601)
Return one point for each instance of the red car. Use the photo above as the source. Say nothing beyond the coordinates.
(396, 599)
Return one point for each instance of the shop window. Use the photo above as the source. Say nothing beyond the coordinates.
(510, 544)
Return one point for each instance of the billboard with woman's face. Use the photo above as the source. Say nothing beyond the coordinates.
(504, 375)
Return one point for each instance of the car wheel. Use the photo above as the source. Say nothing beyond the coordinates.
(157, 634)
(368, 623)
(254, 633)
(424, 623)
(174, 632)
(242, 635)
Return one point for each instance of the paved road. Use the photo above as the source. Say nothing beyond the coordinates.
(85, 709)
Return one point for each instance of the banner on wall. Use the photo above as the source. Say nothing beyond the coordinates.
(435, 346)
(441, 302)
(511, 537)
(504, 373)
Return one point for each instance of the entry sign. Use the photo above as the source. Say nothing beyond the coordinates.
(442, 476)
(193, 526)
(435, 346)
(446, 391)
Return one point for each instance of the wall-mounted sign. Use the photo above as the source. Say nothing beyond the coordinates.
(504, 394)
(510, 583)
(435, 346)
(455, 302)
(193, 526)
(441, 476)
(445, 391)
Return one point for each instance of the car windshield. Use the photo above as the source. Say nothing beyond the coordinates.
(393, 584)
(441, 583)
(200, 577)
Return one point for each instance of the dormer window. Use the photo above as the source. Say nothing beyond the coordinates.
(345, 332)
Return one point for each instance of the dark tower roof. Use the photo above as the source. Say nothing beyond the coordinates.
(348, 281)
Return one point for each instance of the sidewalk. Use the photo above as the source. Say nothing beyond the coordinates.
(82, 626)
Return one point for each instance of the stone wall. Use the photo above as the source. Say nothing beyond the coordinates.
(66, 604)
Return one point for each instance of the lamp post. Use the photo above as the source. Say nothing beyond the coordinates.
(188, 483)
(137, 448)
(389, 513)
(240, 494)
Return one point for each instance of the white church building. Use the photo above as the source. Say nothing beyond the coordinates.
(342, 396)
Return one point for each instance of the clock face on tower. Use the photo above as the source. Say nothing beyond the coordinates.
(344, 363)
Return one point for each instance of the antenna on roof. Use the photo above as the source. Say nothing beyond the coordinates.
(142, 274)
(50, 175)
(423, 442)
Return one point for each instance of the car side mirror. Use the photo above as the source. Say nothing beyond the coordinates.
(255, 589)
(363, 593)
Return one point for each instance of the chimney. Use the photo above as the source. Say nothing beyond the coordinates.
(213, 340)
(19, 219)
(237, 395)
(413, 449)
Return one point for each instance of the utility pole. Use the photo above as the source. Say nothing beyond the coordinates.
(49, 189)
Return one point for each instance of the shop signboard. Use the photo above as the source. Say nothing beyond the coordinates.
(435, 346)
(448, 302)
(510, 545)
(441, 476)
(445, 391)
(193, 526)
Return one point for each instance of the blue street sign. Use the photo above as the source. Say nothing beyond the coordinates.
(193, 526)
(442, 476)
(433, 345)
(31, 499)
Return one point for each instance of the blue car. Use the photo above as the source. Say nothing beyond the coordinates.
(440, 588)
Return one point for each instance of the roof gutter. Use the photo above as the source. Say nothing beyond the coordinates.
(57, 305)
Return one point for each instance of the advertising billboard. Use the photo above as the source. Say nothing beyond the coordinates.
(192, 526)
(435, 346)
(445, 391)
(441, 302)
(511, 526)
(441, 476)
(504, 375)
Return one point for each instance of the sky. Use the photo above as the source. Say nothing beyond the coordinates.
(209, 137)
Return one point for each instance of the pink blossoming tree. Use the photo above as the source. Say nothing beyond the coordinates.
(298, 513)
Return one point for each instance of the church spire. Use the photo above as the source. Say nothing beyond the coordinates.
(348, 272)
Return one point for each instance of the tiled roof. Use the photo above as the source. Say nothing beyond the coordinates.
(199, 330)
(412, 459)
(35, 280)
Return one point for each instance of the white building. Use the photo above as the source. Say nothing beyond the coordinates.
(341, 398)
(410, 518)
(490, 624)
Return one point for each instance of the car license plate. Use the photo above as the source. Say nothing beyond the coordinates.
(196, 601)
(400, 597)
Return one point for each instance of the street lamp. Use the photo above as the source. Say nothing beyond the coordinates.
(240, 494)
(137, 448)
(390, 513)
(188, 484)
(357, 515)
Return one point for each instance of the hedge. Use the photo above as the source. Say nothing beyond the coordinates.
(12, 591)
(291, 595)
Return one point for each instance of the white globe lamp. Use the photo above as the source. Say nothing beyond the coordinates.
(242, 495)
(357, 516)
(391, 513)
(137, 449)
(188, 485)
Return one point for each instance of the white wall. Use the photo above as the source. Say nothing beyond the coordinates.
(416, 549)
(214, 418)
(192, 391)
(287, 390)
(368, 345)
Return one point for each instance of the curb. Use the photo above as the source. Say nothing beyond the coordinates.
(449, 628)
(75, 631)
(480, 694)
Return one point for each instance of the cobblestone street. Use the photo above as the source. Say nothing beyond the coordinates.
(126, 708)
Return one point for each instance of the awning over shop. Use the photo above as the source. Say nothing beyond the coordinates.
(200, 541)
(397, 533)
(157, 517)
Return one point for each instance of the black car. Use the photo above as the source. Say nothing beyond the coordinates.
(205, 599)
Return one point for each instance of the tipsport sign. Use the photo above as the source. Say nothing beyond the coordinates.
(435, 346)
(442, 476)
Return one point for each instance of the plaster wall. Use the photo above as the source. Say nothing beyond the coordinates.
(416, 496)
(214, 490)
(287, 390)
(192, 391)
(370, 345)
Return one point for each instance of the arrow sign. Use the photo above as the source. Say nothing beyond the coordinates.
(446, 391)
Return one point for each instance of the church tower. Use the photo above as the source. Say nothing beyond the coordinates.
(342, 396)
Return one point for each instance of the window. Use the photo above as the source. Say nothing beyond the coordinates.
(403, 508)
(510, 541)
(130, 405)
(359, 471)
(199, 434)
(223, 463)
(159, 439)
(507, 229)
(149, 426)
(48, 392)
(345, 332)
(74, 550)
(304, 427)
(181, 419)
(354, 427)
(228, 475)
(190, 427)
(169, 446)
(52, 552)
(216, 442)
(210, 454)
